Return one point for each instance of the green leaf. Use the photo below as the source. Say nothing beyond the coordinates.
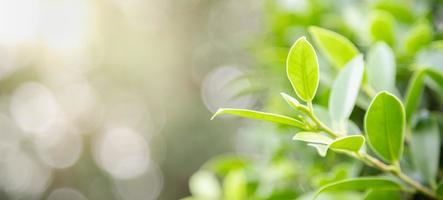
(348, 143)
(418, 37)
(312, 137)
(323, 143)
(381, 27)
(260, 116)
(383, 194)
(415, 88)
(302, 69)
(225, 163)
(337, 48)
(345, 90)
(425, 148)
(360, 184)
(380, 68)
(204, 184)
(235, 185)
(384, 125)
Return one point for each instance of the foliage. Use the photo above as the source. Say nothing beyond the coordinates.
(385, 79)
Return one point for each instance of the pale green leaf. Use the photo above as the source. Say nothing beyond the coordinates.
(291, 101)
(337, 48)
(348, 143)
(383, 195)
(425, 148)
(321, 148)
(312, 137)
(204, 184)
(360, 184)
(384, 125)
(345, 90)
(380, 68)
(260, 116)
(381, 27)
(302, 69)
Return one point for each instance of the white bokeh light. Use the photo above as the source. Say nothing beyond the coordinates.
(33, 107)
(220, 87)
(60, 147)
(145, 187)
(123, 153)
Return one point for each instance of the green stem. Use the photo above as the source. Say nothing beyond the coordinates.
(310, 112)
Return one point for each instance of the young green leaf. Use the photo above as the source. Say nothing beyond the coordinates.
(338, 49)
(302, 69)
(345, 90)
(381, 27)
(260, 116)
(349, 143)
(361, 184)
(291, 101)
(322, 143)
(312, 137)
(380, 68)
(383, 194)
(425, 148)
(384, 125)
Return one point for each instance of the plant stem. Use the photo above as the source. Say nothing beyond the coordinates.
(369, 160)
(310, 112)
(396, 171)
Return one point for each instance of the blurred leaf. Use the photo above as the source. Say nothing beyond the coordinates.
(338, 49)
(384, 125)
(439, 190)
(345, 90)
(204, 184)
(401, 11)
(415, 88)
(222, 164)
(312, 137)
(383, 194)
(413, 93)
(235, 185)
(348, 143)
(381, 27)
(361, 184)
(418, 37)
(380, 68)
(425, 148)
(260, 116)
(302, 69)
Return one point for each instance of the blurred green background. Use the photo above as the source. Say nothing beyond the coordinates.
(112, 99)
